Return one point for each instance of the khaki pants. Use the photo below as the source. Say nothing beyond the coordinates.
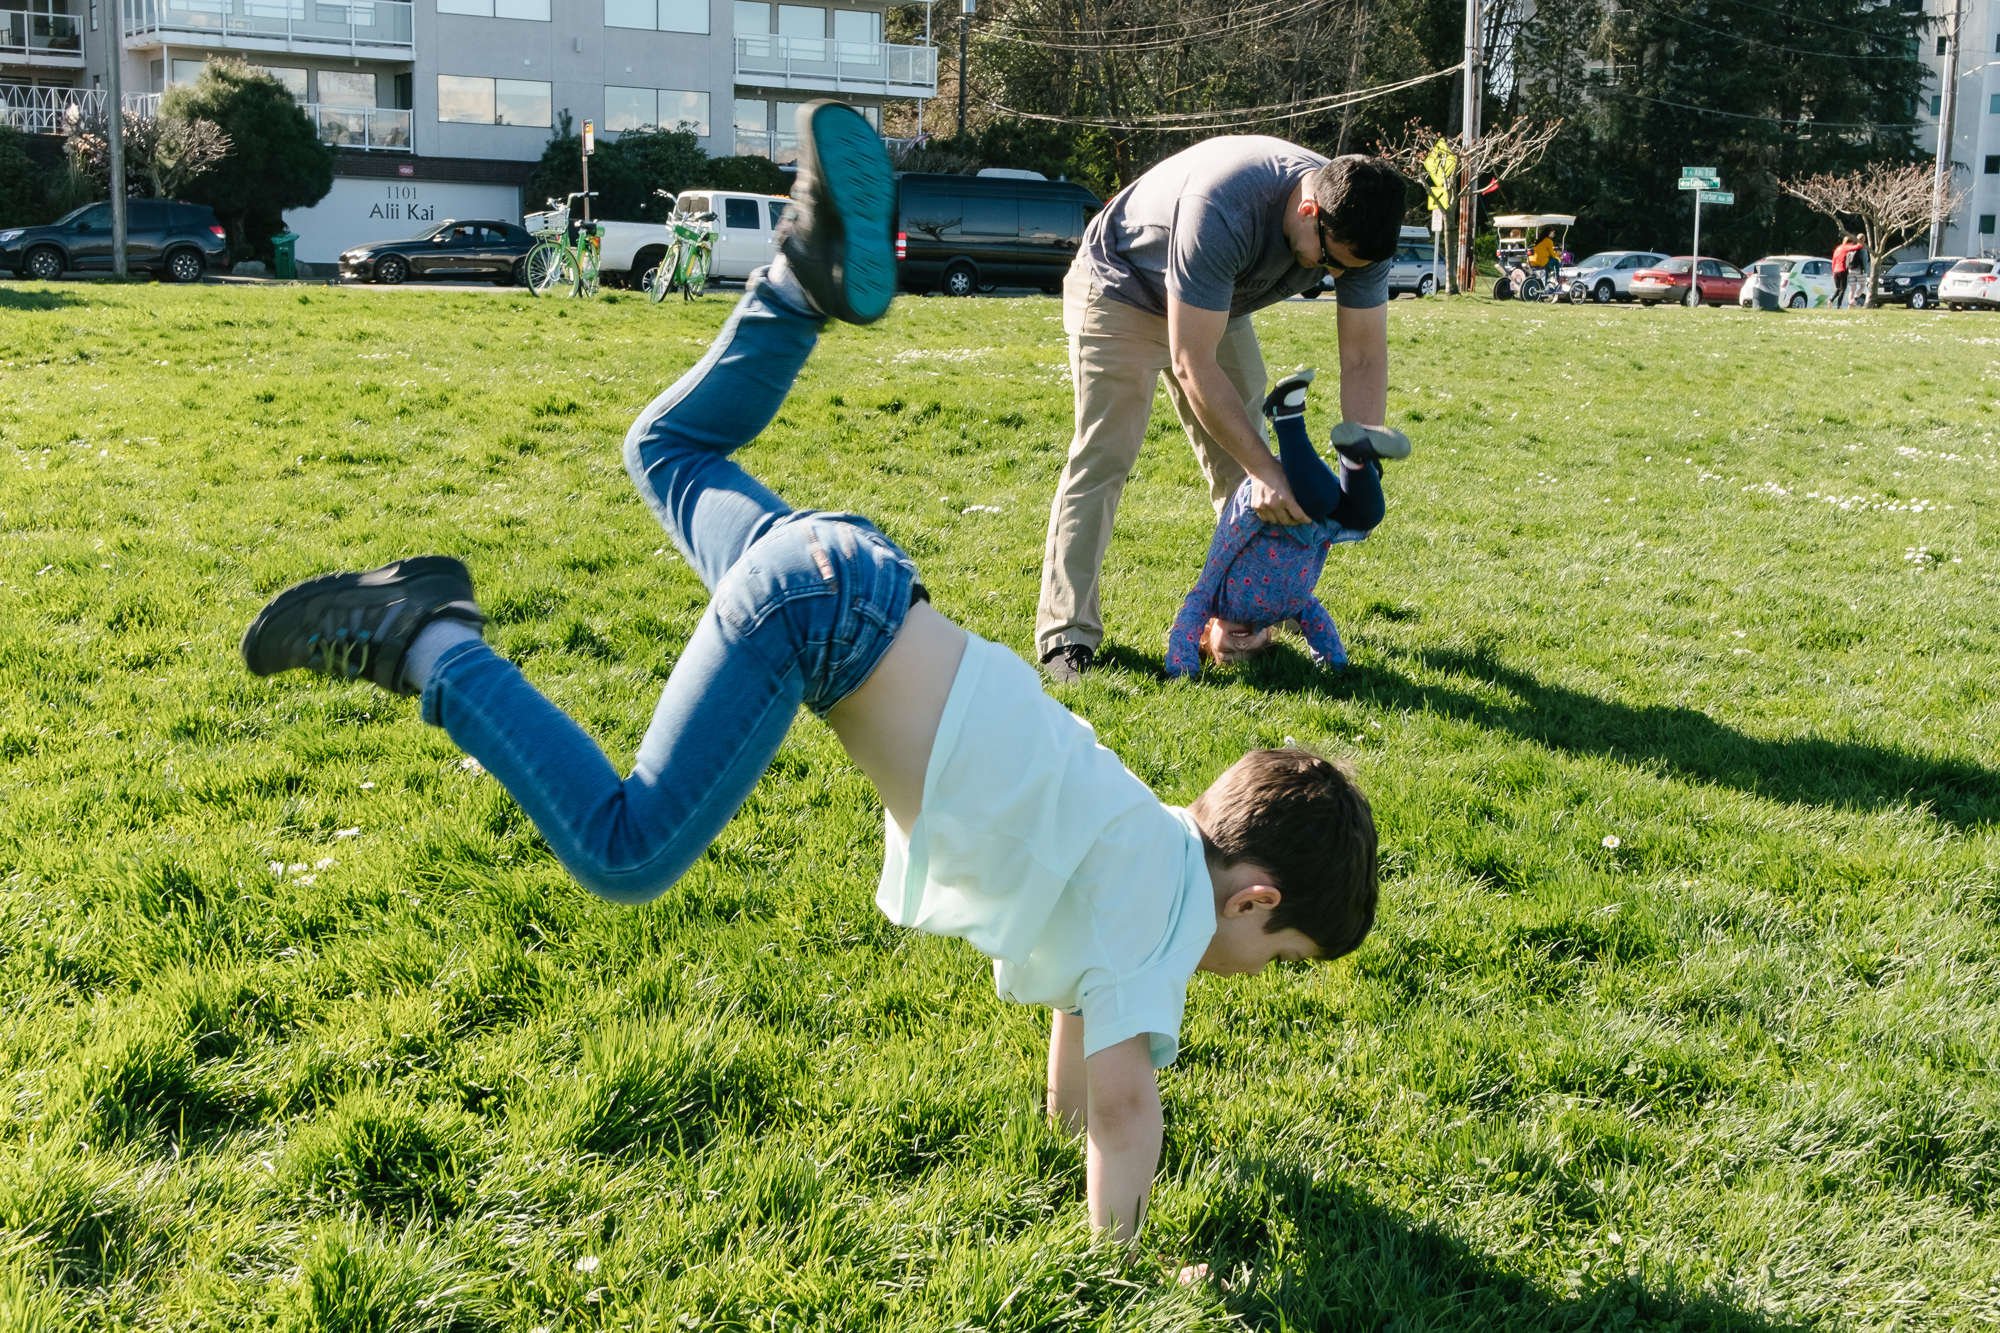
(1116, 354)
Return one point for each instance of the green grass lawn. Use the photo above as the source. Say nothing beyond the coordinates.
(1673, 689)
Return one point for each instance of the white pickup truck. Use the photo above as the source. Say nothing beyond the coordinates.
(745, 231)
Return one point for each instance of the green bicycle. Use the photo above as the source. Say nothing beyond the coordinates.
(565, 261)
(688, 260)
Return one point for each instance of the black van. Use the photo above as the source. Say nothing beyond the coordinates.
(165, 236)
(961, 234)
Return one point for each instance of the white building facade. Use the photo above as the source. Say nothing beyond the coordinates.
(1975, 129)
(422, 95)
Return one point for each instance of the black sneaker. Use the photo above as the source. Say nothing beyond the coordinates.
(838, 231)
(359, 625)
(1066, 663)
(1288, 397)
(1365, 444)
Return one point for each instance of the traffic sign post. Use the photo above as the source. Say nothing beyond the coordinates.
(1703, 181)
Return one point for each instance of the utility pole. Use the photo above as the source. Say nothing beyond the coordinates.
(964, 26)
(933, 50)
(1941, 179)
(1468, 191)
(114, 121)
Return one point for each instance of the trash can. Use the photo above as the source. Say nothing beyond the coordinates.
(282, 244)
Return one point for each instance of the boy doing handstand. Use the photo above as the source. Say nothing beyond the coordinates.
(1006, 823)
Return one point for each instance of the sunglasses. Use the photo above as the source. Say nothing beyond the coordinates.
(1326, 258)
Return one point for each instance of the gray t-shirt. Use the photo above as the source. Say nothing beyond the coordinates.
(1206, 227)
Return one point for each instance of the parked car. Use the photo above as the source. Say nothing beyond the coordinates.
(962, 234)
(1971, 284)
(454, 248)
(177, 241)
(1412, 269)
(746, 227)
(1915, 283)
(1719, 282)
(1805, 282)
(1607, 275)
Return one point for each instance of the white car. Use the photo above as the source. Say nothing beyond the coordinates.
(1970, 284)
(1805, 282)
(1607, 276)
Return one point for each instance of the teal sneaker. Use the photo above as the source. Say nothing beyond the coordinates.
(1288, 397)
(838, 233)
(359, 626)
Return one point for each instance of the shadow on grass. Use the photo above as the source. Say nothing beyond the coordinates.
(1689, 743)
(14, 298)
(1351, 1262)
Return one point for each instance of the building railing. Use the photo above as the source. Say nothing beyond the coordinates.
(826, 64)
(375, 128)
(780, 148)
(32, 28)
(48, 110)
(295, 23)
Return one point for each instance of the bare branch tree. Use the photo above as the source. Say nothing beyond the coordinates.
(1891, 202)
(1498, 153)
(166, 152)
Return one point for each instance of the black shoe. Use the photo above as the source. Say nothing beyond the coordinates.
(838, 231)
(1364, 444)
(1066, 664)
(1288, 397)
(359, 625)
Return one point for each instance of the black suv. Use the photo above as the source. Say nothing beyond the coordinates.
(1915, 283)
(177, 241)
(962, 234)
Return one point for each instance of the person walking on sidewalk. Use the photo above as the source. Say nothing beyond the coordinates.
(1166, 280)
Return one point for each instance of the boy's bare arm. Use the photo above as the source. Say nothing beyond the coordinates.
(889, 725)
(1069, 1087)
(1124, 1127)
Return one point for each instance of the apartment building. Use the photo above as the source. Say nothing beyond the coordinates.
(1975, 128)
(439, 107)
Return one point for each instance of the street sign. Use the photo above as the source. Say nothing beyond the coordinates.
(1716, 197)
(1708, 173)
(1697, 183)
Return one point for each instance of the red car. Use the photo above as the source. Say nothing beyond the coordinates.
(1720, 283)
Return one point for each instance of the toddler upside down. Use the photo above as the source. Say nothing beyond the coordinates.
(1258, 574)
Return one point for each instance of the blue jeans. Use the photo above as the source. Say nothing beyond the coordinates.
(803, 605)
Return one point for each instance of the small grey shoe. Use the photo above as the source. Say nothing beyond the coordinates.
(1288, 397)
(838, 232)
(1364, 444)
(359, 626)
(1066, 663)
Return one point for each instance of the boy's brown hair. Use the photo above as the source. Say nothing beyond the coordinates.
(1303, 819)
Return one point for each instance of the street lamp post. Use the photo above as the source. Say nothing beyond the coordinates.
(114, 121)
(964, 24)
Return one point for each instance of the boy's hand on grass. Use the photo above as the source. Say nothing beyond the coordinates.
(1123, 1129)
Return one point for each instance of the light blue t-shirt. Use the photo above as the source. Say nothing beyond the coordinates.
(1042, 850)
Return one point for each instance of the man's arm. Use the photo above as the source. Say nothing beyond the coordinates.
(1193, 334)
(1069, 1089)
(1364, 364)
(1124, 1127)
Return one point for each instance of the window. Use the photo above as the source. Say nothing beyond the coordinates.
(1940, 45)
(857, 25)
(1993, 164)
(1937, 103)
(533, 10)
(346, 88)
(1993, 104)
(523, 102)
(662, 15)
(1632, 261)
(801, 21)
(753, 18)
(294, 80)
(655, 108)
(468, 101)
(777, 208)
(475, 101)
(187, 71)
(1985, 224)
(740, 213)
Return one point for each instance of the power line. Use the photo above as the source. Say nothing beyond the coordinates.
(1800, 121)
(1801, 18)
(1151, 43)
(1204, 119)
(1178, 28)
(1773, 46)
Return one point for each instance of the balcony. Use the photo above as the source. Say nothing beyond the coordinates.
(373, 128)
(362, 27)
(40, 32)
(47, 110)
(821, 64)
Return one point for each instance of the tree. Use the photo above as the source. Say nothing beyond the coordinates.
(20, 182)
(163, 153)
(1892, 203)
(1498, 154)
(625, 172)
(275, 158)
